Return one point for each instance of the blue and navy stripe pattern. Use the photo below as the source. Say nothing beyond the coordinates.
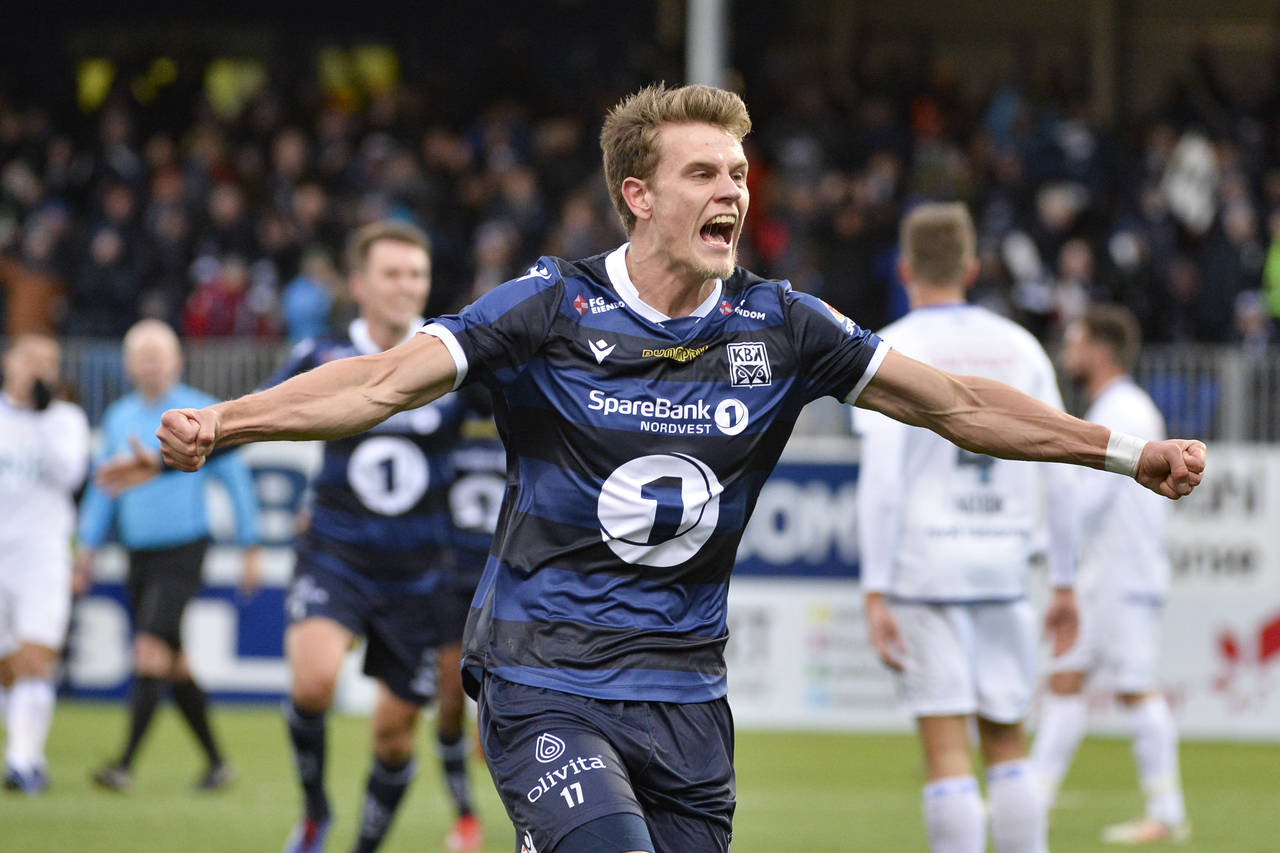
(380, 498)
(637, 450)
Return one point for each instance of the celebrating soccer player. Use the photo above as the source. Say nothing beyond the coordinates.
(374, 563)
(643, 396)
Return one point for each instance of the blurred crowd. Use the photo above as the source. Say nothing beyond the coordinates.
(233, 224)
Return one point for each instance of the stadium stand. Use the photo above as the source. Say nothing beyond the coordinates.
(222, 214)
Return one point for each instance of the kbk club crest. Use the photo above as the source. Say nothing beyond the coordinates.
(749, 365)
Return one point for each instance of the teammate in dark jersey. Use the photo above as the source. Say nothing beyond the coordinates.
(475, 497)
(643, 398)
(479, 485)
(374, 560)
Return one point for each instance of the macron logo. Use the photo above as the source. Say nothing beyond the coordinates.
(600, 349)
(536, 271)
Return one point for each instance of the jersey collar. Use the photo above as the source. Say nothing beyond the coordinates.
(616, 266)
(358, 331)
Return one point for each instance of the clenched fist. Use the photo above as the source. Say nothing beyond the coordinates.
(1173, 467)
(187, 437)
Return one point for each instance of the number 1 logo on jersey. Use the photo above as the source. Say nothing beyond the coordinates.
(389, 474)
(659, 510)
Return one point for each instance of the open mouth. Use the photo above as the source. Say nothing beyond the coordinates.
(718, 230)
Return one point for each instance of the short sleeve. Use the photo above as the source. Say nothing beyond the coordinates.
(837, 357)
(501, 332)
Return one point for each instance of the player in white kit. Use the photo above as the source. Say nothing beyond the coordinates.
(947, 538)
(44, 453)
(1124, 576)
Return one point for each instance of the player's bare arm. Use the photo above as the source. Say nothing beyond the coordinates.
(883, 631)
(337, 399)
(1062, 619)
(985, 416)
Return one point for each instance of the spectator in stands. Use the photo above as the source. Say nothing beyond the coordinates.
(307, 300)
(224, 304)
(106, 290)
(257, 183)
(32, 284)
(229, 226)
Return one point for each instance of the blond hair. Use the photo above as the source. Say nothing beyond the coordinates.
(938, 242)
(396, 231)
(629, 140)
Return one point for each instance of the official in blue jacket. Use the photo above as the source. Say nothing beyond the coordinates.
(165, 528)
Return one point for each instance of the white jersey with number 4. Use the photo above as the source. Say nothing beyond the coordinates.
(1125, 550)
(940, 524)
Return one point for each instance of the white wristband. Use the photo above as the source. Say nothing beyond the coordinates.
(1123, 453)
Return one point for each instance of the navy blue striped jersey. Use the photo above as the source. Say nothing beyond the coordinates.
(380, 498)
(480, 482)
(637, 447)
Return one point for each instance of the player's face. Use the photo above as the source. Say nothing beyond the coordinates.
(699, 195)
(153, 363)
(43, 356)
(393, 286)
(31, 358)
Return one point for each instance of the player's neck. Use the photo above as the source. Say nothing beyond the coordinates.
(932, 297)
(384, 335)
(1100, 380)
(151, 396)
(663, 285)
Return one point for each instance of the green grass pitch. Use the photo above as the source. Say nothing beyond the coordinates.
(796, 792)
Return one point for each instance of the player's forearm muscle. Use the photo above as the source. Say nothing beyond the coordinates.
(340, 398)
(982, 415)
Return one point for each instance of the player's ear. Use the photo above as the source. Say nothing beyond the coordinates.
(971, 268)
(638, 197)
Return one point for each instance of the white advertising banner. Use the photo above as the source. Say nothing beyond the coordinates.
(1221, 640)
(798, 652)
(799, 656)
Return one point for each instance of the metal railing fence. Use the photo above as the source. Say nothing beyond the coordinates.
(93, 369)
(1217, 393)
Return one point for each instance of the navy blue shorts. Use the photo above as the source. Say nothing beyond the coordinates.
(560, 760)
(403, 621)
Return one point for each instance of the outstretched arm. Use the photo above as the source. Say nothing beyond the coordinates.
(986, 416)
(337, 399)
